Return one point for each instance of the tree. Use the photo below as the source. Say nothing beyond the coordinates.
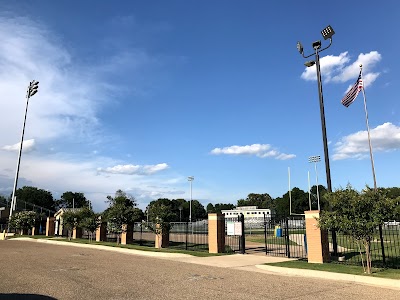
(89, 221)
(219, 207)
(314, 197)
(210, 208)
(259, 200)
(35, 196)
(71, 199)
(198, 211)
(23, 220)
(3, 200)
(358, 215)
(300, 203)
(162, 214)
(122, 210)
(70, 220)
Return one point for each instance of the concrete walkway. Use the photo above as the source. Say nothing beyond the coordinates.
(247, 262)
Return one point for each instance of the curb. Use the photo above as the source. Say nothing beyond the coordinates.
(107, 248)
(375, 281)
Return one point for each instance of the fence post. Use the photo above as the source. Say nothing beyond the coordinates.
(265, 234)
(382, 245)
(287, 237)
(242, 237)
(186, 235)
(141, 234)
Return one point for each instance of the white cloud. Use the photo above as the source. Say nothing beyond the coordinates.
(134, 169)
(72, 92)
(329, 64)
(385, 137)
(27, 146)
(337, 69)
(260, 150)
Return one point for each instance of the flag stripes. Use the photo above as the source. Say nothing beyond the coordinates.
(353, 92)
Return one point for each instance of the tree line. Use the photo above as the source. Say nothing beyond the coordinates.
(179, 209)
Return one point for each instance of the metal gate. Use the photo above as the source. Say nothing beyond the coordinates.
(271, 235)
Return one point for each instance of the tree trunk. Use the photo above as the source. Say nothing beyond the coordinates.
(361, 255)
(368, 255)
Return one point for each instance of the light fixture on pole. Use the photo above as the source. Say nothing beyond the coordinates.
(32, 90)
(190, 179)
(315, 159)
(327, 33)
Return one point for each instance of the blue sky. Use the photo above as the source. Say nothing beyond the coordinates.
(137, 96)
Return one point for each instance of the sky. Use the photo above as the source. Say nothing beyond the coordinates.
(139, 95)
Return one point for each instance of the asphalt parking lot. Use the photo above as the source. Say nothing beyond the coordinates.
(64, 272)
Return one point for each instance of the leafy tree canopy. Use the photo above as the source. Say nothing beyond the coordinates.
(259, 200)
(35, 196)
(122, 210)
(300, 203)
(23, 220)
(357, 214)
(71, 199)
(218, 207)
(180, 209)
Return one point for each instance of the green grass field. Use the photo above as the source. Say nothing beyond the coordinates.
(339, 268)
(271, 240)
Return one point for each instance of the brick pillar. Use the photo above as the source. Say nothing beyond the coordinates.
(76, 233)
(162, 238)
(317, 239)
(50, 226)
(127, 234)
(101, 232)
(216, 233)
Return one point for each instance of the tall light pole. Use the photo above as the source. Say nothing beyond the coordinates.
(315, 159)
(327, 33)
(180, 213)
(32, 90)
(190, 179)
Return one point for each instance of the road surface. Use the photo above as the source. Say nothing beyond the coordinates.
(64, 272)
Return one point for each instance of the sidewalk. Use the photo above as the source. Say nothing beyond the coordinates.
(245, 262)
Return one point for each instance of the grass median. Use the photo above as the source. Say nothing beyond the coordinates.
(128, 246)
(339, 268)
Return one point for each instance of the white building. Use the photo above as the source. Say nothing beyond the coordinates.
(249, 212)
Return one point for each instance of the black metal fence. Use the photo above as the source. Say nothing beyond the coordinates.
(271, 235)
(189, 236)
(183, 235)
(385, 251)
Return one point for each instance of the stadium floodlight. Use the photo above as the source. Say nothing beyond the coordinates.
(309, 63)
(327, 32)
(32, 90)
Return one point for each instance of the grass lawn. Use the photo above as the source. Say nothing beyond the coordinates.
(129, 246)
(339, 268)
(271, 240)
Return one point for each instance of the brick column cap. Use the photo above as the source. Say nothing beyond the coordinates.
(311, 214)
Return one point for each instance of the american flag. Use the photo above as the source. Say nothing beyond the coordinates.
(353, 92)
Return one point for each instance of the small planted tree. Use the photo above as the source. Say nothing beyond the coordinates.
(358, 215)
(70, 220)
(23, 220)
(161, 215)
(89, 221)
(122, 210)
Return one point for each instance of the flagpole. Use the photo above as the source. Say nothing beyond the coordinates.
(369, 136)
